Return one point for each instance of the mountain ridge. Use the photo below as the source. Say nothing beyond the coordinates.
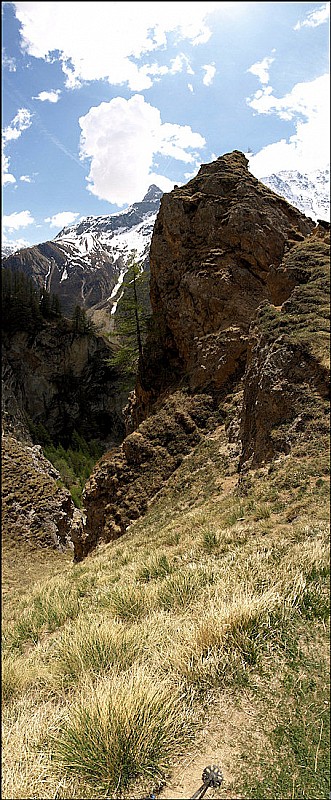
(85, 263)
(309, 192)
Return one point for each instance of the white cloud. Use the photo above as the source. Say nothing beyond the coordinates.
(179, 64)
(8, 62)
(261, 69)
(62, 219)
(26, 178)
(314, 18)
(53, 96)
(121, 137)
(308, 148)
(20, 123)
(19, 219)
(210, 71)
(106, 40)
(7, 176)
(16, 244)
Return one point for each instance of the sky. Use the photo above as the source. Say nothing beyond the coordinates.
(102, 99)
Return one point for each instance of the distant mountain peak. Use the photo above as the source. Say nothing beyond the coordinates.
(153, 193)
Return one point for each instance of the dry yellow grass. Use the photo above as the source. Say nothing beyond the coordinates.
(209, 604)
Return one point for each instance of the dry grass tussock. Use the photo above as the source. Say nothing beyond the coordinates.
(112, 669)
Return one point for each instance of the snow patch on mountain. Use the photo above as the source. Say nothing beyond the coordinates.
(95, 240)
(310, 192)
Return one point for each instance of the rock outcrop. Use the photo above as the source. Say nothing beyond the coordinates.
(57, 381)
(35, 505)
(126, 479)
(287, 376)
(238, 290)
(216, 254)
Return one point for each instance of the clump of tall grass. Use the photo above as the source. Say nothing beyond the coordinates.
(157, 567)
(96, 648)
(128, 727)
(227, 637)
(49, 607)
(210, 540)
(12, 678)
(129, 602)
(179, 590)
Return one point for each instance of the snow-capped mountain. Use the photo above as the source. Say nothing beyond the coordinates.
(7, 249)
(85, 264)
(310, 192)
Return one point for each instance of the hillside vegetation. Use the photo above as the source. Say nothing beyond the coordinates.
(200, 636)
(193, 627)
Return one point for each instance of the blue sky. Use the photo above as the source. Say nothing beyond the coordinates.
(102, 99)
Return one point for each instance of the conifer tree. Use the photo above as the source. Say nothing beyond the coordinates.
(131, 323)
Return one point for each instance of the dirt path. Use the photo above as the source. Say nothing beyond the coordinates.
(216, 745)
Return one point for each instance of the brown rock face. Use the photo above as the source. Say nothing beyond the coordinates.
(238, 290)
(127, 478)
(286, 382)
(63, 381)
(216, 251)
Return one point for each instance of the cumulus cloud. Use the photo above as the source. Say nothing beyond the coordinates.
(308, 148)
(52, 97)
(14, 244)
(62, 219)
(261, 69)
(107, 40)
(210, 71)
(19, 219)
(122, 137)
(26, 178)
(314, 18)
(7, 176)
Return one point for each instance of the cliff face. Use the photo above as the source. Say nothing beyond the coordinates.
(61, 380)
(286, 381)
(216, 254)
(239, 294)
(125, 479)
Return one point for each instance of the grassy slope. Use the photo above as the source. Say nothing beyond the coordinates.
(216, 603)
(200, 636)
